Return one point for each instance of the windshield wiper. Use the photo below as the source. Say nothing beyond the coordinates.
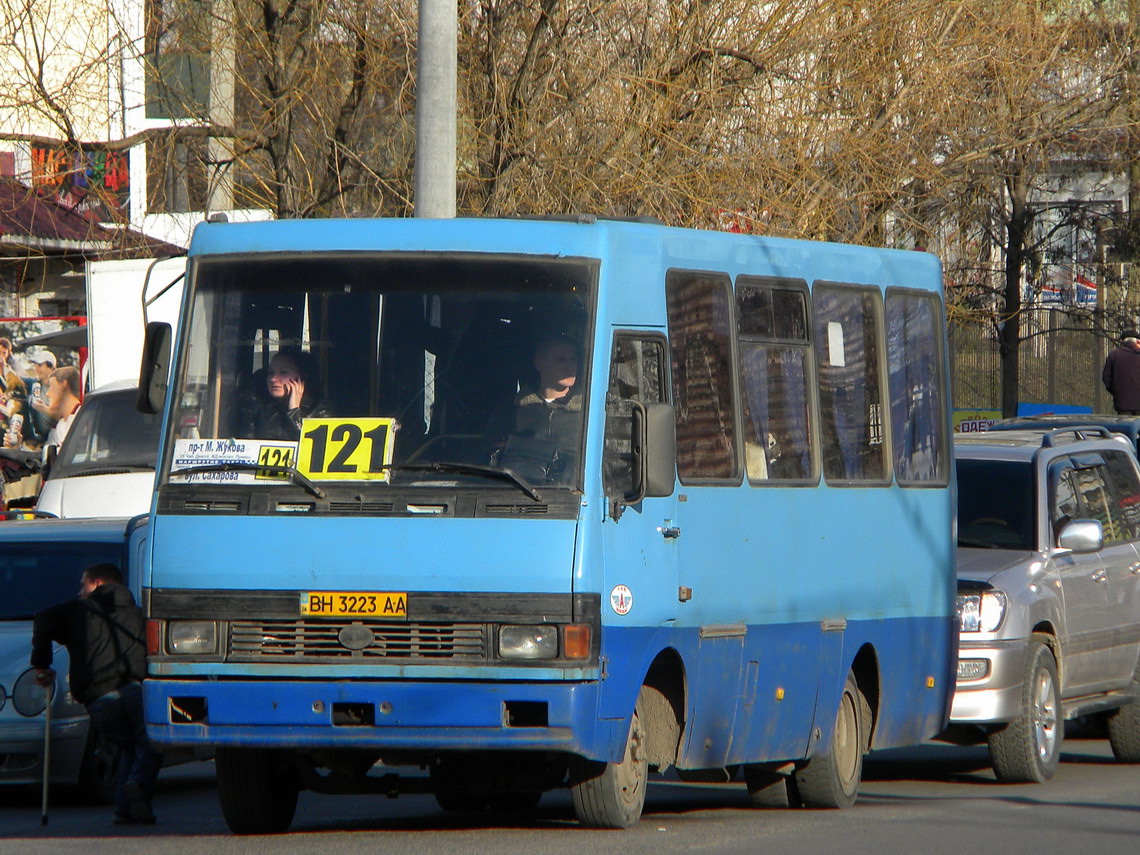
(501, 473)
(243, 466)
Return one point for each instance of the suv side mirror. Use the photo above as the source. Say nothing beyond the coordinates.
(154, 373)
(1081, 536)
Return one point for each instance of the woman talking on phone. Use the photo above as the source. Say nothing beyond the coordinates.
(291, 395)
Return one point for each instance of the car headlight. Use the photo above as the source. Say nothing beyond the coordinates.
(192, 636)
(27, 696)
(981, 612)
(529, 642)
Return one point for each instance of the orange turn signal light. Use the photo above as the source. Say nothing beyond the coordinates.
(576, 641)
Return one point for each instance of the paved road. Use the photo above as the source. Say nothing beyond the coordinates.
(930, 800)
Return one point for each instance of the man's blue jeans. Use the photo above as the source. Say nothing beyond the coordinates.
(119, 717)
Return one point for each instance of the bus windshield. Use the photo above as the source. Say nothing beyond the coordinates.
(384, 369)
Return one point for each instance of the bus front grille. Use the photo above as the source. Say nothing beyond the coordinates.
(261, 640)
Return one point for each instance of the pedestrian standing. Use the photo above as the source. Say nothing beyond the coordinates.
(102, 630)
(1121, 375)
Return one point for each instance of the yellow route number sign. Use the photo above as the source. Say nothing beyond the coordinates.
(346, 449)
(275, 456)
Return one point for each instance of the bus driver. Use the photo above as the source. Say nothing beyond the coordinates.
(538, 434)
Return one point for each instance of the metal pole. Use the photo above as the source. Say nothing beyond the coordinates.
(435, 109)
(47, 751)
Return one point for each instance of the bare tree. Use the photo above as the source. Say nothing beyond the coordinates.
(1042, 96)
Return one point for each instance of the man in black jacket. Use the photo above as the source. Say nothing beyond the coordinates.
(103, 632)
(1121, 375)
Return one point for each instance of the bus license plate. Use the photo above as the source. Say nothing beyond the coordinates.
(373, 604)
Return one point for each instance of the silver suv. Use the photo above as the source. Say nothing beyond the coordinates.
(1048, 594)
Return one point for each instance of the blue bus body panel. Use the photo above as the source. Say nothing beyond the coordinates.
(763, 711)
(294, 552)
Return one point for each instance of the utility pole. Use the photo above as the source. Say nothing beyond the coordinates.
(436, 108)
(220, 153)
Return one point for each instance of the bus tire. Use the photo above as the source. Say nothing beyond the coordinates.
(768, 788)
(258, 794)
(1028, 749)
(612, 795)
(831, 780)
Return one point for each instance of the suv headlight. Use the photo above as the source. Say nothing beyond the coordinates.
(981, 612)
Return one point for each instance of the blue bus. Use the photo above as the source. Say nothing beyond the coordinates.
(527, 504)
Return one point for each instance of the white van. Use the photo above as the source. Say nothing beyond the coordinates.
(105, 466)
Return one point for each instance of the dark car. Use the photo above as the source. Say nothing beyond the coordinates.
(41, 561)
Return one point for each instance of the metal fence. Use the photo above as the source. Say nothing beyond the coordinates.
(1061, 360)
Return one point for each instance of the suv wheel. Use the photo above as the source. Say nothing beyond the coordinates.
(1124, 729)
(1028, 749)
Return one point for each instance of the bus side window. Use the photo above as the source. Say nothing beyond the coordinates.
(699, 306)
(775, 378)
(847, 348)
(636, 374)
(917, 387)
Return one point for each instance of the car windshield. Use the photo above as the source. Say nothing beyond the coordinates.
(109, 435)
(382, 370)
(996, 502)
(35, 575)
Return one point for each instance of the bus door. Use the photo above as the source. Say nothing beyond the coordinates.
(639, 532)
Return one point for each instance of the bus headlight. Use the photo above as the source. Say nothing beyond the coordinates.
(529, 642)
(192, 637)
(981, 612)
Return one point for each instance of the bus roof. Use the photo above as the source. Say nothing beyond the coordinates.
(587, 237)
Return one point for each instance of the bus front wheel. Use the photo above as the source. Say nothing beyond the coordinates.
(257, 791)
(612, 795)
(831, 780)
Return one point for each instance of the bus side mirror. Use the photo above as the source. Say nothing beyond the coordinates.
(654, 449)
(154, 373)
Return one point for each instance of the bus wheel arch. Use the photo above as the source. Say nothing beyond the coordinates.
(865, 669)
(663, 702)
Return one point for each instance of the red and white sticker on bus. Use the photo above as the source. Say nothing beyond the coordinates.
(621, 599)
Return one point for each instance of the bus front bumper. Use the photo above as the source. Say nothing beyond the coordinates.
(382, 715)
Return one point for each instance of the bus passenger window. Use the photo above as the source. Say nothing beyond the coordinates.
(774, 375)
(700, 341)
(847, 341)
(917, 388)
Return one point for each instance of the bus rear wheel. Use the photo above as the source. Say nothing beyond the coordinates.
(831, 780)
(612, 795)
(257, 791)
